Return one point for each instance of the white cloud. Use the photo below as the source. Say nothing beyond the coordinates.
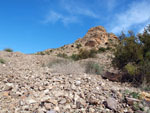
(137, 13)
(107, 5)
(72, 13)
(82, 11)
(53, 17)
(111, 4)
(77, 9)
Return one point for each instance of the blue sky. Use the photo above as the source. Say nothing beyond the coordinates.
(35, 25)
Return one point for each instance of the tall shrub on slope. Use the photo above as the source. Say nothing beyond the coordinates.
(132, 56)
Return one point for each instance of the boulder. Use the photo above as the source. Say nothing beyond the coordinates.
(131, 101)
(115, 77)
(111, 104)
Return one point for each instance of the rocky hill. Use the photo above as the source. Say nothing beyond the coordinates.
(50, 84)
(96, 37)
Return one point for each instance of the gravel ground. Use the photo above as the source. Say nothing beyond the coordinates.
(26, 86)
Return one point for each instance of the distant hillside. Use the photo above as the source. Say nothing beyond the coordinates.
(96, 37)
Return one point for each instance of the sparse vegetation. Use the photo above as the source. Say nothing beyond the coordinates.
(131, 69)
(101, 49)
(41, 53)
(51, 50)
(78, 46)
(137, 105)
(65, 66)
(132, 56)
(75, 57)
(93, 68)
(8, 50)
(88, 83)
(84, 54)
(147, 88)
(109, 48)
(63, 55)
(2, 61)
(47, 53)
(130, 94)
(57, 61)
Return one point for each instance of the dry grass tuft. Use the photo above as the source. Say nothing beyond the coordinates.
(66, 66)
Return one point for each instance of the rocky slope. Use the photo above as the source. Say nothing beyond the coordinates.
(96, 37)
(27, 86)
(45, 83)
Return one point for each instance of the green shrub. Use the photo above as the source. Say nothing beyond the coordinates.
(131, 69)
(110, 40)
(8, 50)
(132, 73)
(2, 61)
(74, 57)
(51, 50)
(41, 53)
(101, 49)
(135, 95)
(93, 68)
(84, 54)
(132, 94)
(132, 56)
(78, 46)
(147, 88)
(144, 68)
(93, 53)
(63, 55)
(47, 53)
(109, 48)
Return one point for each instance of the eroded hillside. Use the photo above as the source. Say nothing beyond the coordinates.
(45, 83)
(27, 86)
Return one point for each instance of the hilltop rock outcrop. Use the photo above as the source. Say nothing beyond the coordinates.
(98, 36)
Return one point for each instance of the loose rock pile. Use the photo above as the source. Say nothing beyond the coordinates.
(28, 87)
